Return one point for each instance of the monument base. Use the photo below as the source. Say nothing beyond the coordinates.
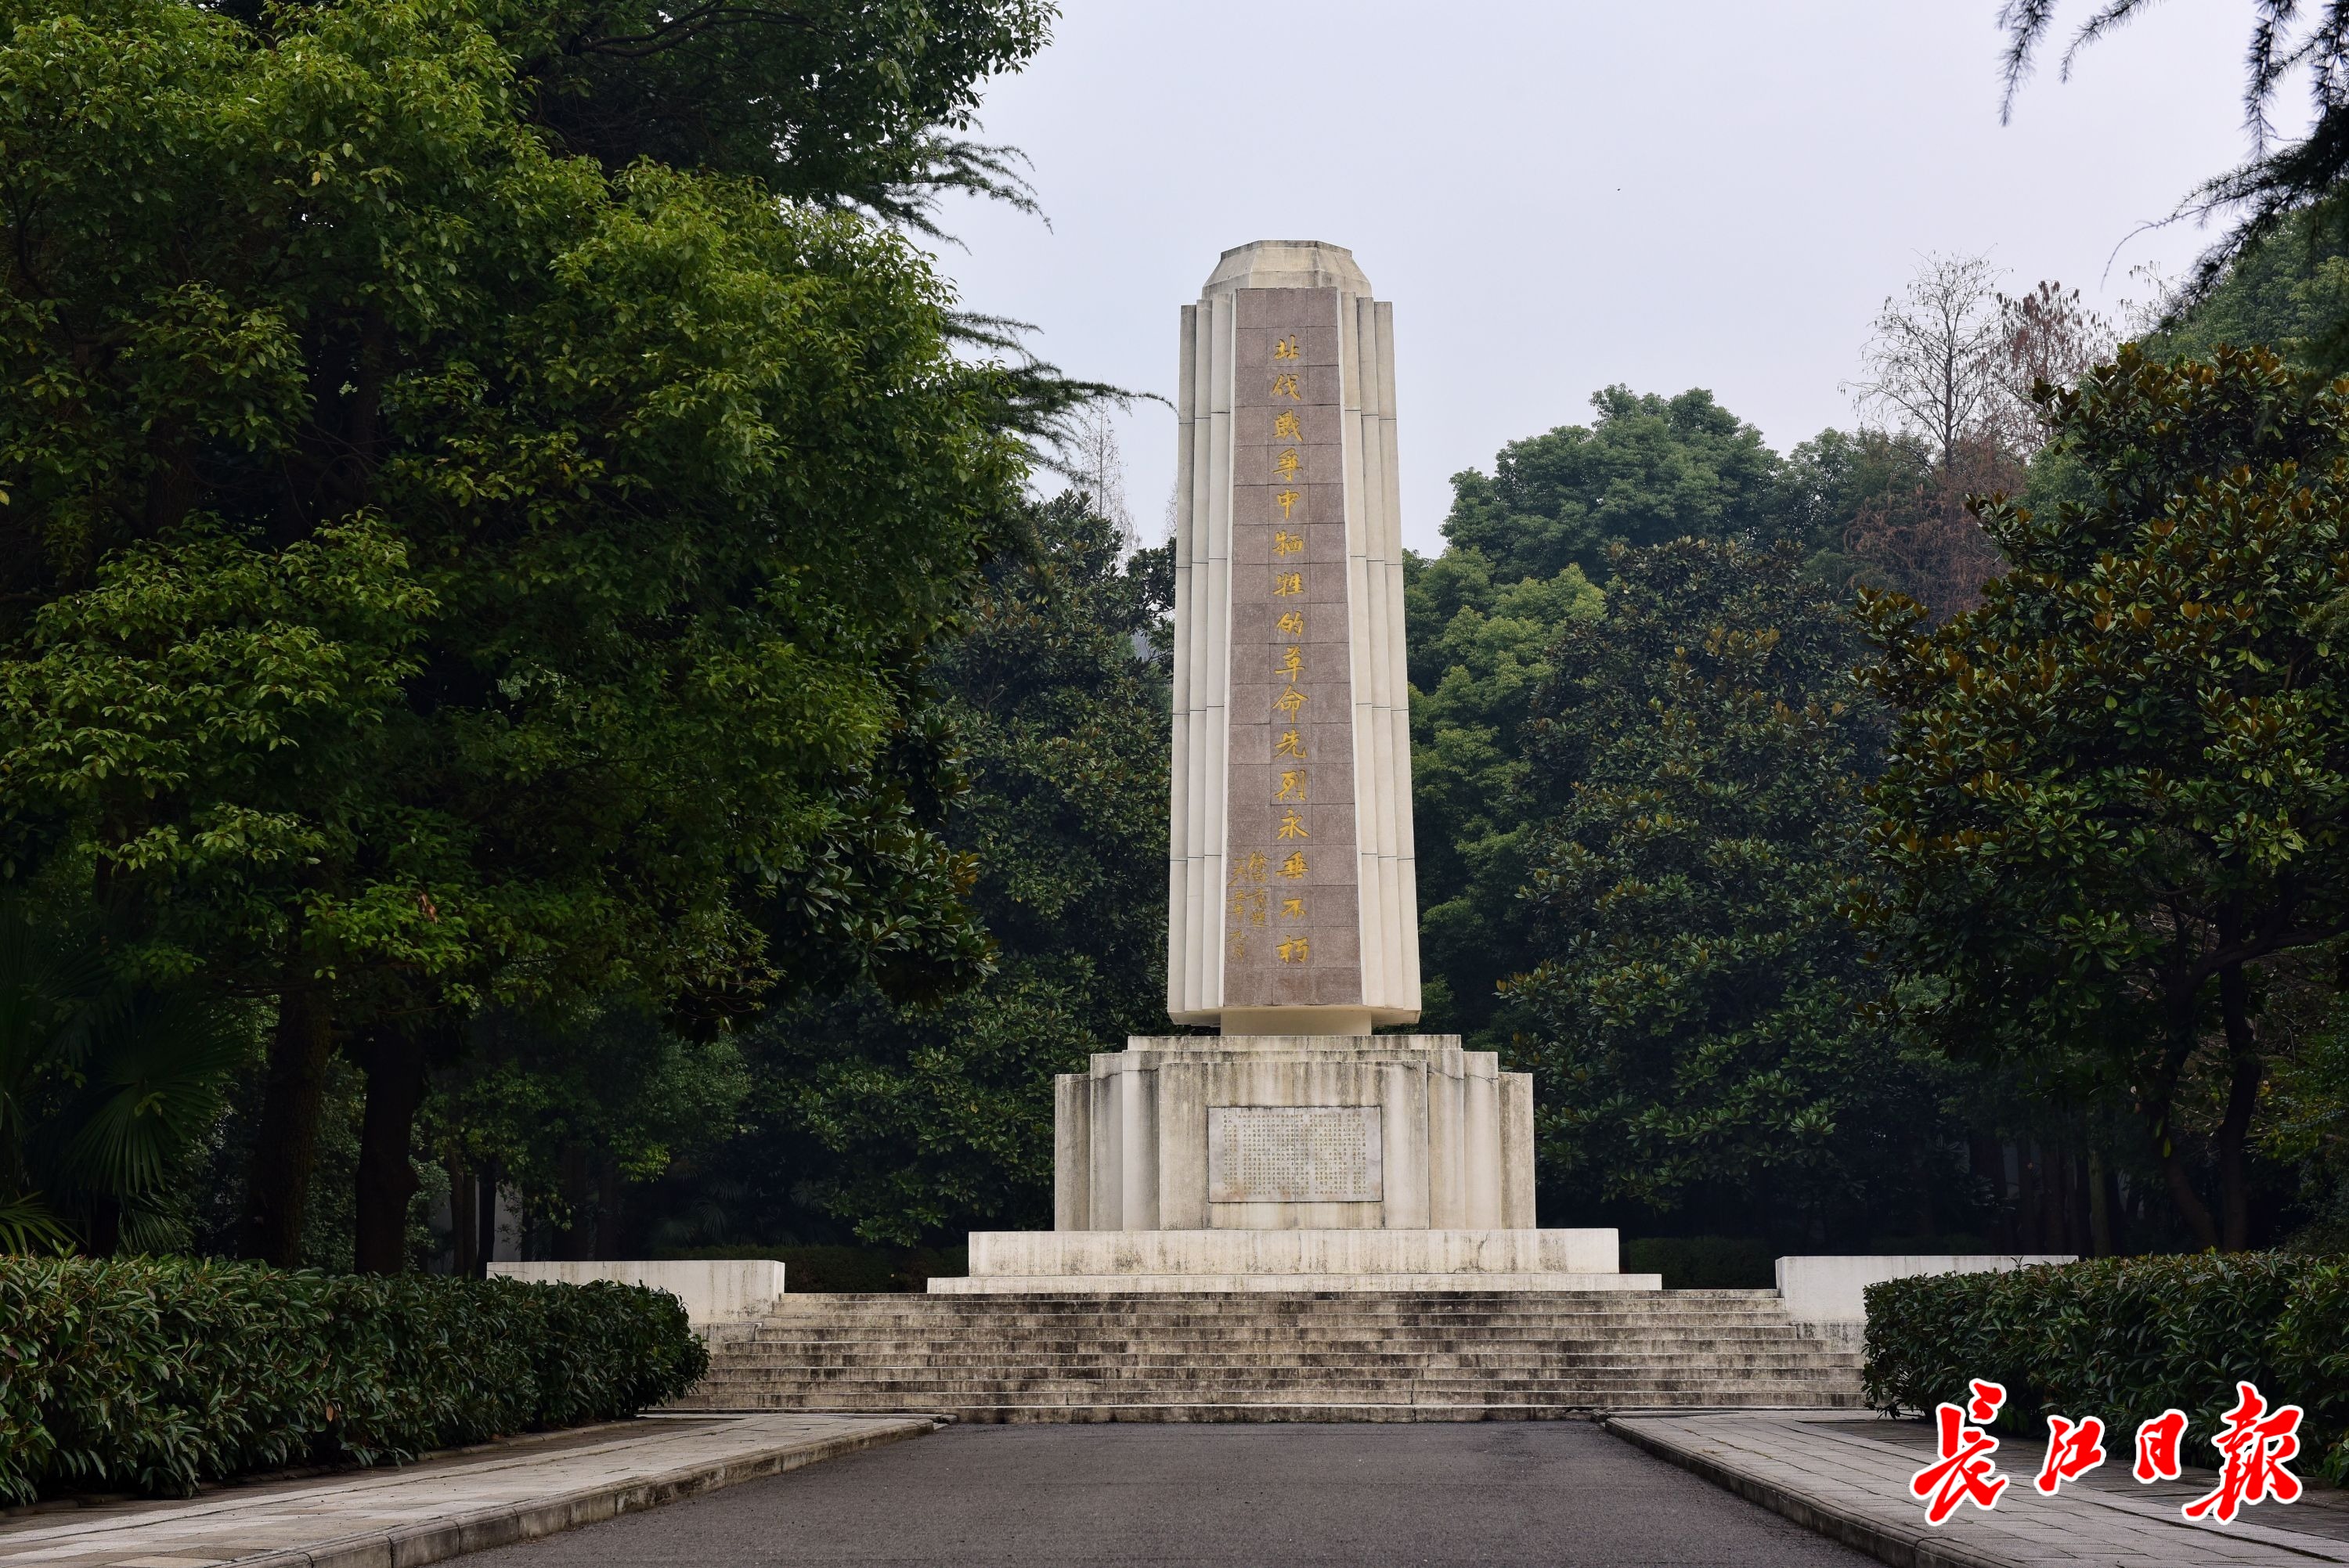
(1014, 1263)
(1293, 1132)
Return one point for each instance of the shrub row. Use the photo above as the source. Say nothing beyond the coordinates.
(154, 1375)
(2125, 1339)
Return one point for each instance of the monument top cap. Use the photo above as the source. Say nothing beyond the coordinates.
(1286, 264)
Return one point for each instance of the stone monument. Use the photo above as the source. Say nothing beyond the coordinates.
(1293, 1149)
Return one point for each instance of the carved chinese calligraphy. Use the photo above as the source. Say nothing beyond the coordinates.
(1292, 724)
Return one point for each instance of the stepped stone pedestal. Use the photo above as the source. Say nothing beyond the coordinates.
(1287, 1163)
(1293, 1162)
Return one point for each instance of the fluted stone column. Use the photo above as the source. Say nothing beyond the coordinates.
(1292, 904)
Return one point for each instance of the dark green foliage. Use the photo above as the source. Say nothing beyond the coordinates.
(2290, 186)
(1479, 649)
(1704, 1263)
(832, 100)
(1528, 545)
(829, 1270)
(107, 1088)
(934, 1117)
(574, 1118)
(155, 1376)
(2290, 293)
(1698, 1022)
(1648, 469)
(2117, 809)
(2124, 1339)
(443, 571)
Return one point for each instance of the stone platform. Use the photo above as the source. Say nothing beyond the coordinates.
(1005, 1262)
(1443, 1354)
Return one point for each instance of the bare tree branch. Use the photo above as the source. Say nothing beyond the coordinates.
(1932, 365)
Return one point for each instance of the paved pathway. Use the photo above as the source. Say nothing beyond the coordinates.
(429, 1512)
(1300, 1496)
(1849, 1479)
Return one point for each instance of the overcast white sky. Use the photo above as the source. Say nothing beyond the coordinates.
(1673, 193)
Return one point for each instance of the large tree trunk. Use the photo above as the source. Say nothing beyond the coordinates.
(1988, 1161)
(2100, 1208)
(575, 1242)
(393, 1060)
(2246, 1070)
(464, 1227)
(286, 1145)
(2155, 1102)
(485, 1224)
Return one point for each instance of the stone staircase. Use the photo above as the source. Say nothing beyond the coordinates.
(1420, 1356)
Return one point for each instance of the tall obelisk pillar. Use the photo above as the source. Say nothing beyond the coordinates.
(1291, 1152)
(1292, 905)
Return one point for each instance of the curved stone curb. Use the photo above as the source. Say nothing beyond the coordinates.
(1886, 1543)
(1851, 1491)
(437, 1540)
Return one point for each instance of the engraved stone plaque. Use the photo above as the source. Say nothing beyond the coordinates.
(1294, 1154)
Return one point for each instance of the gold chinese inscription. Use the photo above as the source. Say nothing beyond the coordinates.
(1247, 899)
(1254, 905)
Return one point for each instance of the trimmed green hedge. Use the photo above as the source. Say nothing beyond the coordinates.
(154, 1375)
(817, 1270)
(2126, 1338)
(1704, 1263)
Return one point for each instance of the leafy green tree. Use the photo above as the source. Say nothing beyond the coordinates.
(1698, 1020)
(2118, 796)
(912, 1122)
(1647, 469)
(1478, 651)
(2289, 186)
(578, 1119)
(443, 572)
(2287, 293)
(107, 1088)
(832, 101)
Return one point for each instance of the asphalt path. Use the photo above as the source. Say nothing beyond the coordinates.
(1547, 1492)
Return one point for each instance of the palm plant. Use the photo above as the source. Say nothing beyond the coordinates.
(104, 1085)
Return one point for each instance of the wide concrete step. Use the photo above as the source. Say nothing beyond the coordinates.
(1743, 1353)
(1005, 1373)
(1284, 1329)
(1362, 1302)
(1284, 1334)
(1178, 1411)
(1351, 1355)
